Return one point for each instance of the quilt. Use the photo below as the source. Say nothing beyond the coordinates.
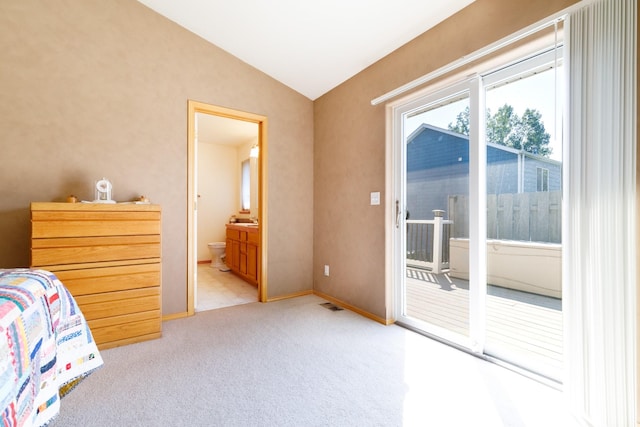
(45, 345)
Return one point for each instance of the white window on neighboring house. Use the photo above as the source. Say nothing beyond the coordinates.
(542, 179)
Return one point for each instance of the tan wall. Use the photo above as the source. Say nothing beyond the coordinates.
(218, 194)
(93, 88)
(349, 153)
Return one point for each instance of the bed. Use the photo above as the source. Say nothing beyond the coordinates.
(46, 347)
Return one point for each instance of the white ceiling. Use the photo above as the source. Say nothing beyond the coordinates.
(224, 131)
(311, 47)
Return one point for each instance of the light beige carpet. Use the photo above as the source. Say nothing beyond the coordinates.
(297, 363)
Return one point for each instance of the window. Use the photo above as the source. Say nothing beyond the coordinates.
(542, 179)
(245, 186)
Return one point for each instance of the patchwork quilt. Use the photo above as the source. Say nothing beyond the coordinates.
(45, 345)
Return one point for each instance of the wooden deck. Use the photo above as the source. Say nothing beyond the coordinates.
(523, 325)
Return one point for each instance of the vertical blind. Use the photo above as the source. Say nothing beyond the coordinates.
(600, 239)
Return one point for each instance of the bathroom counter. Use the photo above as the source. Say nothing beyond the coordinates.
(243, 226)
(243, 251)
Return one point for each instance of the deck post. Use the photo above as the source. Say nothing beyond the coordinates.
(437, 240)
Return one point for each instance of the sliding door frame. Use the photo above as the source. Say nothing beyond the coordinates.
(396, 209)
(476, 86)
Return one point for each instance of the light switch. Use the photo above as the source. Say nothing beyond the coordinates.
(375, 198)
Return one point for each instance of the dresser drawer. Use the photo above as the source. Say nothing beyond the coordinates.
(119, 330)
(93, 227)
(87, 219)
(75, 250)
(108, 279)
(110, 304)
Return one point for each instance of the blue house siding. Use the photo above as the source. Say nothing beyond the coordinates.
(438, 167)
(531, 164)
(502, 171)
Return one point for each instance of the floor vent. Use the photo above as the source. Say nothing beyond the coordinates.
(331, 306)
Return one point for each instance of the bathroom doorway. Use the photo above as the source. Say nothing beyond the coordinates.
(220, 142)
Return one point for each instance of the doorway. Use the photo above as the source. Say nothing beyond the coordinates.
(213, 120)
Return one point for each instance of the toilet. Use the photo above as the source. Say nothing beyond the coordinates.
(217, 250)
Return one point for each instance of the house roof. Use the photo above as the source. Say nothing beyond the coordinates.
(427, 127)
(311, 47)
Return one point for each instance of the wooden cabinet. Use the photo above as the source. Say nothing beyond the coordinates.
(242, 253)
(109, 257)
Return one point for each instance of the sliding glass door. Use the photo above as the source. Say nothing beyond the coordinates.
(478, 214)
(436, 214)
(524, 214)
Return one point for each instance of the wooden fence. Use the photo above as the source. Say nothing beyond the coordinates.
(535, 217)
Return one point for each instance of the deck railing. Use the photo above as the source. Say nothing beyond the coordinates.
(428, 243)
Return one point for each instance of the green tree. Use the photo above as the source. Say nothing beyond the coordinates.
(533, 136)
(462, 123)
(501, 126)
(506, 128)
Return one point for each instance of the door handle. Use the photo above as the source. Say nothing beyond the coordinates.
(397, 213)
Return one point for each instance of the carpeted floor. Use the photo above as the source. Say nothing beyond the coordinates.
(297, 363)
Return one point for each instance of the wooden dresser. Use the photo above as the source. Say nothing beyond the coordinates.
(109, 257)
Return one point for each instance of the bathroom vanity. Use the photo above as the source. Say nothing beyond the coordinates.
(243, 251)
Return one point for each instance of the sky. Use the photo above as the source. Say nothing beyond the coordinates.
(534, 92)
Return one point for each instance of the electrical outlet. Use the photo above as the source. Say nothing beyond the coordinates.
(326, 270)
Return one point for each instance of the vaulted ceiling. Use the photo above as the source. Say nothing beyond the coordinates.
(310, 46)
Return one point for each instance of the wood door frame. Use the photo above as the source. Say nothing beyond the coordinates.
(200, 107)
